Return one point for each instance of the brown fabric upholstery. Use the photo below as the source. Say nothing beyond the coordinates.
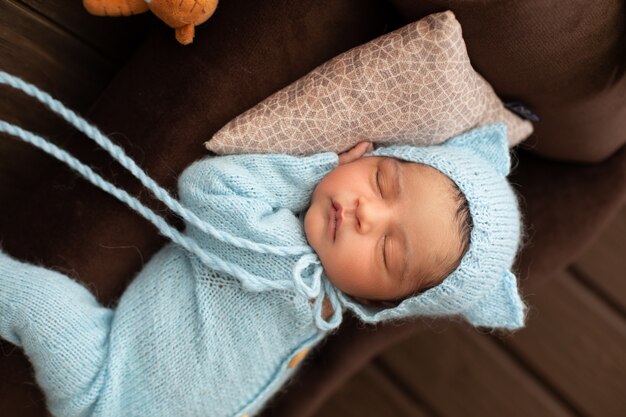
(169, 98)
(563, 215)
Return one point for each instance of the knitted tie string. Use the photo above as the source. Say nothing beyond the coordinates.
(160, 193)
(318, 308)
(318, 289)
(313, 289)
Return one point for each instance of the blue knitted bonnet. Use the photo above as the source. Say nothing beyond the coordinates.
(482, 288)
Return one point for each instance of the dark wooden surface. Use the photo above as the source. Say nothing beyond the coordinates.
(569, 361)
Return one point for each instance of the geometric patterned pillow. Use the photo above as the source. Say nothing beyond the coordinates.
(412, 86)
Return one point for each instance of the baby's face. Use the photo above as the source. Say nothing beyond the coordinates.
(381, 227)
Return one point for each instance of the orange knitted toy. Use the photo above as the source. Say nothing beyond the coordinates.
(182, 15)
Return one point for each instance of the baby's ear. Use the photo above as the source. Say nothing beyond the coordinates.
(501, 308)
(489, 142)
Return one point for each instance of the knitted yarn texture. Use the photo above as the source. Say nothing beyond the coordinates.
(210, 324)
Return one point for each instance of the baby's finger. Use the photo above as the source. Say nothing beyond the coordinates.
(362, 148)
(354, 153)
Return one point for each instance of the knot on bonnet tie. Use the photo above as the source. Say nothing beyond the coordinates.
(307, 272)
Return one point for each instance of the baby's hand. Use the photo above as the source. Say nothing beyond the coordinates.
(355, 152)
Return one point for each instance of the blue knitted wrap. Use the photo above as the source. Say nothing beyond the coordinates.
(186, 339)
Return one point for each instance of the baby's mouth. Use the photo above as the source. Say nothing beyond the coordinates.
(336, 218)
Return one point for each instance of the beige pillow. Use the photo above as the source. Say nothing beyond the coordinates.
(412, 86)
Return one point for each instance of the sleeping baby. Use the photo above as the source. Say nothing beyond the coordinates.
(275, 250)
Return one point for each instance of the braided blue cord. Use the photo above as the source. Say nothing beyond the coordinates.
(253, 282)
(119, 155)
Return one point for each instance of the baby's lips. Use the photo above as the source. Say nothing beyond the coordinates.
(339, 216)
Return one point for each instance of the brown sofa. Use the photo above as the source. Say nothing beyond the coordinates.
(566, 63)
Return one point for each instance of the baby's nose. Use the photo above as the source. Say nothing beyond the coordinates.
(370, 215)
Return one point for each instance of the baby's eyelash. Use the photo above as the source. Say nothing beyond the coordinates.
(380, 191)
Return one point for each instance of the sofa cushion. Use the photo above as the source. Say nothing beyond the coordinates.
(412, 86)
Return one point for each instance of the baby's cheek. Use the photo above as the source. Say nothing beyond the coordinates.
(312, 227)
(347, 268)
